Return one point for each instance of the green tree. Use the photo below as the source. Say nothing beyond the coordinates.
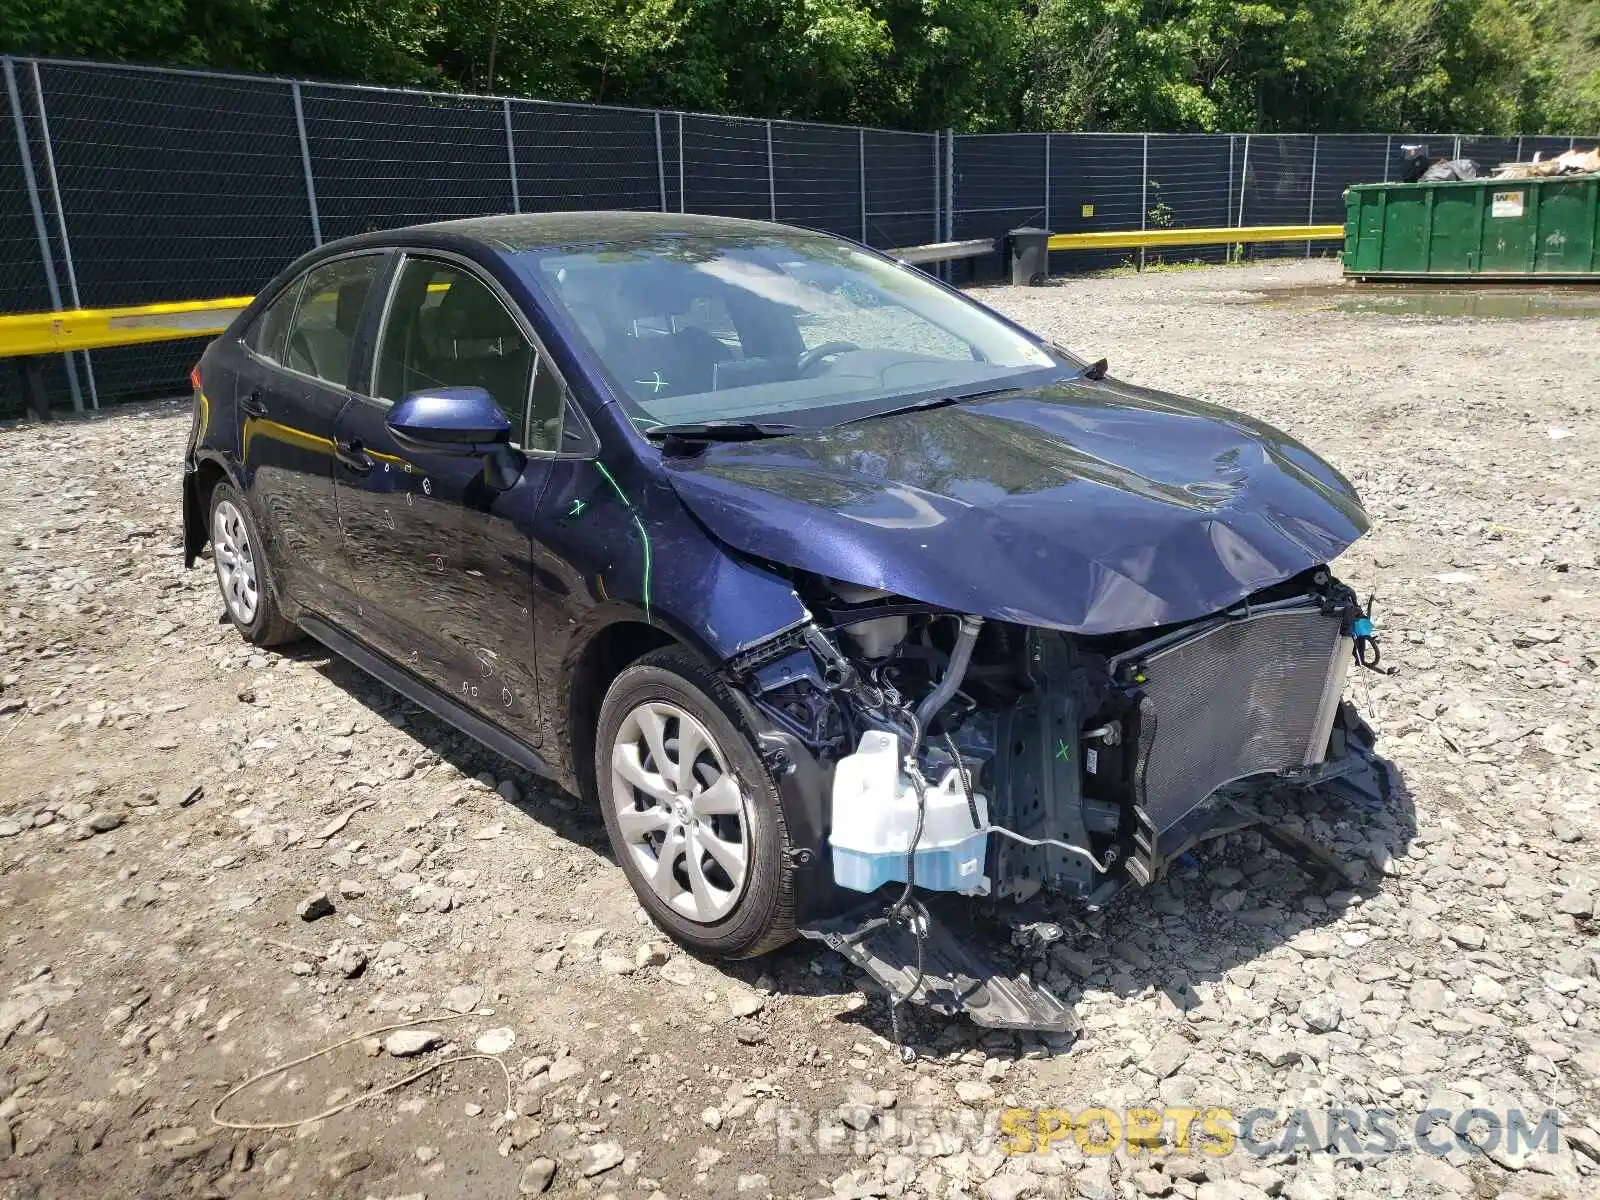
(1292, 65)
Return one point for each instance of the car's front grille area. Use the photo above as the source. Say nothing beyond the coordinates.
(1241, 697)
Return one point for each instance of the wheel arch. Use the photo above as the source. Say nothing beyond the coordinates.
(208, 470)
(605, 654)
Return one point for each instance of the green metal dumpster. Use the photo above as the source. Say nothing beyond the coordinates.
(1474, 229)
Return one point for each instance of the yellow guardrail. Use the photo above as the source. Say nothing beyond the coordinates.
(1136, 239)
(23, 334)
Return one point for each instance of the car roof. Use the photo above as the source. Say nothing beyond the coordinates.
(510, 233)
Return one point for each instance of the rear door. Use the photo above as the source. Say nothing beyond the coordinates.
(293, 382)
(439, 546)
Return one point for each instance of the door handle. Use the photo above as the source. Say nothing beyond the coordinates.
(251, 405)
(353, 455)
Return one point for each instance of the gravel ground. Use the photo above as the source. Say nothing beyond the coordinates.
(214, 860)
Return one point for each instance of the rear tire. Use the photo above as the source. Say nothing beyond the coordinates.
(243, 575)
(702, 842)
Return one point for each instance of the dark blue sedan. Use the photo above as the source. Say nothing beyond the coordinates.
(818, 577)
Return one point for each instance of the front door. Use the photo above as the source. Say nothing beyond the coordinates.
(439, 544)
(290, 389)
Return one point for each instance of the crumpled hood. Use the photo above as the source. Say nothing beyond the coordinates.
(1089, 506)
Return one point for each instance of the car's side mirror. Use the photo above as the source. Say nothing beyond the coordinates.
(452, 420)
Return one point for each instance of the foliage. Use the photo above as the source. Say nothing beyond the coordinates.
(1496, 66)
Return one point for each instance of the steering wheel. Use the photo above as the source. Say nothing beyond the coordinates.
(816, 354)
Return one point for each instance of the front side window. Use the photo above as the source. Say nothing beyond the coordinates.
(447, 328)
(319, 338)
(740, 326)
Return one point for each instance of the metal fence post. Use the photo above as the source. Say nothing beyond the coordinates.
(305, 166)
(1519, 147)
(1244, 173)
(683, 197)
(45, 254)
(1311, 200)
(61, 226)
(1388, 154)
(1047, 224)
(511, 158)
(938, 192)
(1457, 153)
(861, 169)
(1144, 190)
(1231, 140)
(661, 164)
(772, 179)
(949, 185)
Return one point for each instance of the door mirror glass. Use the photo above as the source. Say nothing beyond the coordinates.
(459, 420)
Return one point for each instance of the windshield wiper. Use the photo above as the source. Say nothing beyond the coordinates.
(932, 402)
(719, 431)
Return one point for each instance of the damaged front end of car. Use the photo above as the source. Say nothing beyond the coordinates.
(947, 752)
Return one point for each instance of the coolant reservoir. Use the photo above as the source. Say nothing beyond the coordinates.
(875, 814)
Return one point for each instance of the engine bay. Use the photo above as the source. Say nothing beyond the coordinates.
(991, 758)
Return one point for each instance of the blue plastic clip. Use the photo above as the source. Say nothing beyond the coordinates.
(1361, 627)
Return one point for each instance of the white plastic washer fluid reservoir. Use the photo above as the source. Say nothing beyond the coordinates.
(875, 815)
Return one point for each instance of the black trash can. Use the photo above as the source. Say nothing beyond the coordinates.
(1030, 256)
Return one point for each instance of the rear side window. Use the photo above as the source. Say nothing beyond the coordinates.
(323, 330)
(266, 333)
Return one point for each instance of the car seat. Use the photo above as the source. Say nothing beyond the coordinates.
(322, 348)
(472, 341)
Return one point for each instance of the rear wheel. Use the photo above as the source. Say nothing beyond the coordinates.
(691, 810)
(242, 571)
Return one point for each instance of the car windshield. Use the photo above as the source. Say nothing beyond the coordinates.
(775, 325)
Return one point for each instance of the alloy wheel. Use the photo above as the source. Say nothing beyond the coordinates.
(682, 815)
(236, 564)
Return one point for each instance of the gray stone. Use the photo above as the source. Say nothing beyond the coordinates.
(1093, 1182)
(1576, 902)
(315, 906)
(495, 1041)
(536, 1176)
(548, 962)
(1167, 1055)
(600, 1157)
(1274, 1051)
(408, 1043)
(564, 1069)
(463, 998)
(1321, 1013)
(1440, 1174)
(106, 820)
(1009, 1185)
(348, 1162)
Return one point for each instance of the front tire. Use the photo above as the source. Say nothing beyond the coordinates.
(691, 810)
(243, 576)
